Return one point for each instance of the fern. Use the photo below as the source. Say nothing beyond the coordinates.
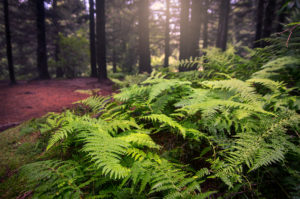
(51, 178)
(166, 120)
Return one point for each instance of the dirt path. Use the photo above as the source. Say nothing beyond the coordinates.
(34, 99)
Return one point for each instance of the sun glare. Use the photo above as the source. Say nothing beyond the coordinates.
(158, 6)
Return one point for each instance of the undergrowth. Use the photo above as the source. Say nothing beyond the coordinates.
(230, 131)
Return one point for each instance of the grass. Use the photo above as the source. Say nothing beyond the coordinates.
(18, 146)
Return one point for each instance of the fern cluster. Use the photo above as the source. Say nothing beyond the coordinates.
(242, 124)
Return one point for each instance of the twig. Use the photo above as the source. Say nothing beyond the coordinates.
(291, 32)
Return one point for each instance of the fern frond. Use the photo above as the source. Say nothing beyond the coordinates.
(106, 152)
(246, 92)
(165, 120)
(215, 103)
(57, 177)
(140, 139)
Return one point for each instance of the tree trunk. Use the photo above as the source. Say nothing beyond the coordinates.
(223, 24)
(143, 28)
(167, 34)
(8, 44)
(114, 60)
(281, 17)
(41, 40)
(259, 23)
(184, 27)
(268, 20)
(195, 27)
(205, 24)
(59, 70)
(101, 41)
(92, 40)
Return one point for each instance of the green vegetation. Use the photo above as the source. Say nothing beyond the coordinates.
(220, 122)
(174, 135)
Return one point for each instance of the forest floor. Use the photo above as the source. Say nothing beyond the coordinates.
(33, 99)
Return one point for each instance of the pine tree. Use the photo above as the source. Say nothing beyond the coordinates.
(143, 28)
(101, 41)
(92, 40)
(8, 44)
(223, 24)
(41, 38)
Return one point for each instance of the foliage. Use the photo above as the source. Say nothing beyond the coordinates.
(245, 126)
(73, 55)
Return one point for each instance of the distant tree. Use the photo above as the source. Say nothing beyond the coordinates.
(101, 41)
(92, 40)
(8, 43)
(143, 30)
(205, 23)
(268, 20)
(184, 27)
(282, 15)
(41, 40)
(195, 27)
(55, 16)
(259, 23)
(224, 10)
(167, 34)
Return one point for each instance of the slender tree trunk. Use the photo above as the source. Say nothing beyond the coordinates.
(92, 40)
(8, 44)
(205, 24)
(223, 24)
(167, 34)
(184, 26)
(114, 60)
(268, 20)
(195, 27)
(259, 23)
(281, 17)
(143, 28)
(101, 41)
(59, 70)
(41, 40)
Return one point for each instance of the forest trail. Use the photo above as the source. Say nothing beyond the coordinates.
(34, 99)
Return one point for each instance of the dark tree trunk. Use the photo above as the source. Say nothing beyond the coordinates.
(195, 27)
(8, 44)
(92, 40)
(205, 24)
(281, 17)
(143, 28)
(101, 41)
(184, 27)
(259, 23)
(41, 40)
(114, 60)
(59, 70)
(223, 24)
(268, 20)
(167, 34)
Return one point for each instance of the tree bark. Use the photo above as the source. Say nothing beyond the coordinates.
(143, 28)
(114, 60)
(101, 41)
(59, 70)
(281, 17)
(167, 34)
(195, 28)
(223, 24)
(184, 27)
(268, 20)
(8, 44)
(41, 40)
(205, 24)
(259, 23)
(92, 40)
